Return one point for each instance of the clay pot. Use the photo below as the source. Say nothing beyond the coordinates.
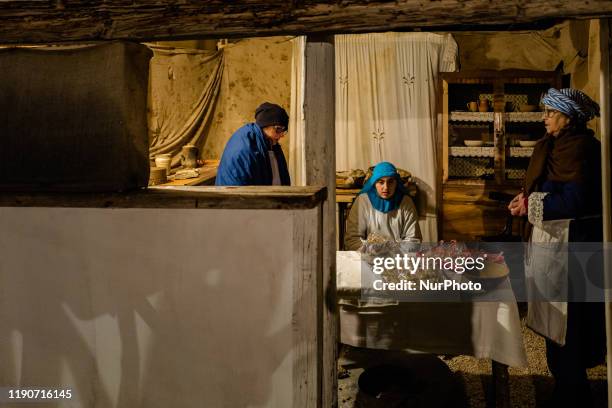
(164, 161)
(483, 105)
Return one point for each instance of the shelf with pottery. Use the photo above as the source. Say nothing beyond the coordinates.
(472, 151)
(464, 116)
(489, 124)
(521, 151)
(487, 151)
(523, 116)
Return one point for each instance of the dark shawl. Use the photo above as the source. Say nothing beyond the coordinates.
(572, 156)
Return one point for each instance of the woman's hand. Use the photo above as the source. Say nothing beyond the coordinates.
(518, 205)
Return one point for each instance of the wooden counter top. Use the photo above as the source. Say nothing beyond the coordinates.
(251, 197)
(481, 182)
(346, 195)
(207, 176)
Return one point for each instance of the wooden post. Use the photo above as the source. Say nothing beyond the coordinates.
(307, 254)
(499, 128)
(445, 131)
(605, 98)
(320, 151)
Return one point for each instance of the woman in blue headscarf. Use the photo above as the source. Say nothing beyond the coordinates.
(384, 207)
(561, 200)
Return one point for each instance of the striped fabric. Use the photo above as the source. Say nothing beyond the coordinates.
(572, 102)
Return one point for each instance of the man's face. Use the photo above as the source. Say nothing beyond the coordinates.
(274, 133)
(386, 186)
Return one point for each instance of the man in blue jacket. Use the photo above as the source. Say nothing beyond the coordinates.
(252, 156)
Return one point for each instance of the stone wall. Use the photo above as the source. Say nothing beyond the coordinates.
(575, 43)
(259, 69)
(255, 70)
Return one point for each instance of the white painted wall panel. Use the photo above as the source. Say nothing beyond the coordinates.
(149, 307)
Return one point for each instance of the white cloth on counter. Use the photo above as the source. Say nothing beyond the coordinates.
(399, 224)
(488, 329)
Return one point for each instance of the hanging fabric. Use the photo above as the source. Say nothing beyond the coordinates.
(387, 92)
(184, 87)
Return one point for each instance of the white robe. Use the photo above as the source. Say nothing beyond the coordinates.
(400, 224)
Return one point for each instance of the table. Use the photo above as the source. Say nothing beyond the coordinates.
(208, 173)
(483, 329)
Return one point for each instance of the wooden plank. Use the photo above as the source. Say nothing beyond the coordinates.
(499, 127)
(35, 21)
(441, 150)
(177, 197)
(467, 222)
(468, 212)
(307, 250)
(207, 176)
(480, 182)
(346, 195)
(320, 146)
(444, 130)
(509, 75)
(605, 92)
(476, 193)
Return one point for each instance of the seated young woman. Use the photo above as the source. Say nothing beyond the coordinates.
(384, 207)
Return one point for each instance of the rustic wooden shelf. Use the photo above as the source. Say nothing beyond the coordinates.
(472, 151)
(459, 116)
(521, 151)
(523, 116)
(470, 173)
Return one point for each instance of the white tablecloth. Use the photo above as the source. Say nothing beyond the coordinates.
(489, 329)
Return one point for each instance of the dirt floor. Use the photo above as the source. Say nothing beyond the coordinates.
(437, 381)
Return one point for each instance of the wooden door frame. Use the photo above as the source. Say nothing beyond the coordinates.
(150, 20)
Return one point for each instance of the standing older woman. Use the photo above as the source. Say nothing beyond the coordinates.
(383, 206)
(562, 201)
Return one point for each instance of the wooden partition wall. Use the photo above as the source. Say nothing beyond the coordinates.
(184, 297)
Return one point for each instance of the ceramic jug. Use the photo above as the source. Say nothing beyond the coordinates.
(189, 156)
(483, 105)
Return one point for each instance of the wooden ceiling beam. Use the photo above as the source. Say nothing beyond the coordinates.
(45, 21)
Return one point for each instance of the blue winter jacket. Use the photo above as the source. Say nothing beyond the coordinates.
(245, 160)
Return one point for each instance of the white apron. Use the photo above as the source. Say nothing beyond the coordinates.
(546, 273)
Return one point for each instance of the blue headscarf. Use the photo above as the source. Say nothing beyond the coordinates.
(384, 169)
(572, 102)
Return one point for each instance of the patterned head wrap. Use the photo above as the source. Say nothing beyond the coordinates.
(572, 102)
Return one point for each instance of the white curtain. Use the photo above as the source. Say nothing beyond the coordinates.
(297, 159)
(387, 90)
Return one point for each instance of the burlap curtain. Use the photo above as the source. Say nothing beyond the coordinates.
(74, 118)
(183, 89)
